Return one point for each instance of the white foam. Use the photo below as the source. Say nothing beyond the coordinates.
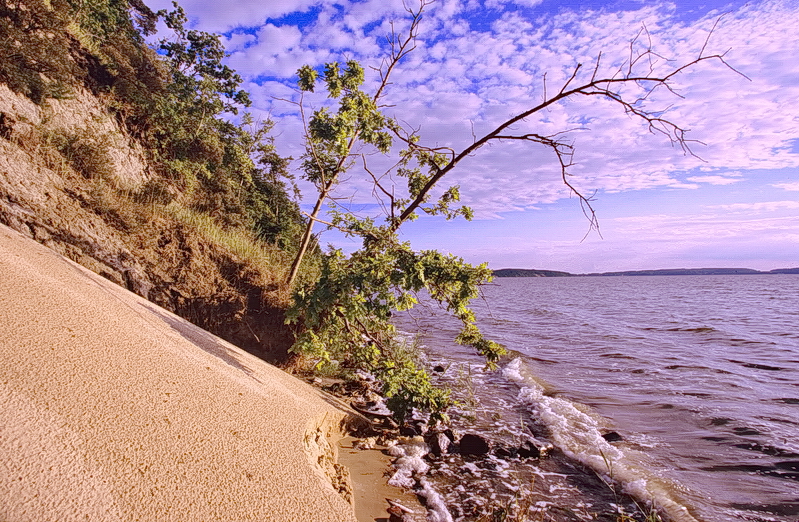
(577, 432)
(436, 507)
(511, 371)
(409, 466)
(409, 462)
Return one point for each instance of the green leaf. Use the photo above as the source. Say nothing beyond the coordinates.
(306, 78)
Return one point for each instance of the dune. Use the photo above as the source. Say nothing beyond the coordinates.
(112, 408)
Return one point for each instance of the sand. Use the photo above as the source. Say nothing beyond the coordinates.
(112, 408)
(369, 470)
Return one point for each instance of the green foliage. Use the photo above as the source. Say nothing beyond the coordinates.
(101, 21)
(200, 82)
(35, 49)
(154, 192)
(419, 166)
(407, 385)
(347, 313)
(331, 136)
(232, 171)
(178, 104)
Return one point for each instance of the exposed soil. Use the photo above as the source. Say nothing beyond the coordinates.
(148, 252)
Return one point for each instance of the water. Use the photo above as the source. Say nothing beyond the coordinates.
(699, 374)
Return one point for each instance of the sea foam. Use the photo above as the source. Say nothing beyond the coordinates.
(577, 432)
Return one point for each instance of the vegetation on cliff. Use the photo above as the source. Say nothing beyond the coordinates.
(126, 160)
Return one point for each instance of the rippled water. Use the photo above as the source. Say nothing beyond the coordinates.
(699, 374)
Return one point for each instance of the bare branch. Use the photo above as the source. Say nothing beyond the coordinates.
(399, 49)
(596, 66)
(571, 78)
(607, 88)
(378, 185)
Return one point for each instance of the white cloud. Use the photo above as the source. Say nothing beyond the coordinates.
(276, 52)
(495, 4)
(224, 16)
(791, 186)
(763, 206)
(715, 180)
(743, 124)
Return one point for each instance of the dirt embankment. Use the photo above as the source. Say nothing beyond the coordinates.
(68, 179)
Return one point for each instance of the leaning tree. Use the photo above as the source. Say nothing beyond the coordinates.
(346, 312)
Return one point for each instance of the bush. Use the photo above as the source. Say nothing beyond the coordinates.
(35, 49)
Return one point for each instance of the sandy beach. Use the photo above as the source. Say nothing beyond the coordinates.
(112, 408)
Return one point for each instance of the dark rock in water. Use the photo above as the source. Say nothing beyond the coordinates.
(438, 368)
(408, 431)
(420, 426)
(414, 427)
(488, 464)
(471, 444)
(612, 436)
(372, 408)
(439, 443)
(389, 423)
(503, 452)
(532, 448)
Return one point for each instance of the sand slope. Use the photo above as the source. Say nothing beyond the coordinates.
(114, 409)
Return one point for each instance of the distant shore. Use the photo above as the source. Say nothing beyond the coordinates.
(524, 272)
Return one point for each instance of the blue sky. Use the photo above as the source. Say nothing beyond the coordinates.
(479, 62)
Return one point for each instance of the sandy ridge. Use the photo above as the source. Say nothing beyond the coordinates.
(112, 408)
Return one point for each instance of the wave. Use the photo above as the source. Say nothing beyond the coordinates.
(699, 329)
(578, 433)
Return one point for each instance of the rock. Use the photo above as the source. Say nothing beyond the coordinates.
(375, 409)
(389, 424)
(421, 426)
(408, 431)
(414, 427)
(505, 453)
(612, 436)
(365, 444)
(471, 444)
(439, 443)
(438, 368)
(532, 448)
(399, 513)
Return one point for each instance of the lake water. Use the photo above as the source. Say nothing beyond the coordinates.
(698, 374)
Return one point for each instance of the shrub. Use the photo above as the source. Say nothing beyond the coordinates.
(35, 49)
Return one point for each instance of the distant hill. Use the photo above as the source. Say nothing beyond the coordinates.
(784, 271)
(681, 271)
(523, 272)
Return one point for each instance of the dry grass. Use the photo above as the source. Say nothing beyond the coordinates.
(266, 258)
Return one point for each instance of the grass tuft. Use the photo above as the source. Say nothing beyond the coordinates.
(238, 241)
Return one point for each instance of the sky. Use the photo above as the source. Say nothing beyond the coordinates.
(477, 63)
